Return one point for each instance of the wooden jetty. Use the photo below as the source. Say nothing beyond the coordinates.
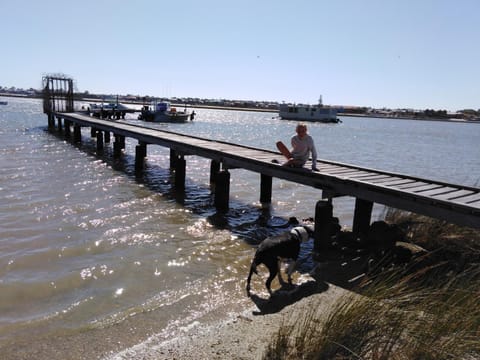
(453, 203)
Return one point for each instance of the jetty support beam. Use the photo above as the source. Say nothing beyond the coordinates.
(361, 217)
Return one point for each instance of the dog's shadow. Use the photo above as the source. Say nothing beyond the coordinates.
(287, 295)
(342, 270)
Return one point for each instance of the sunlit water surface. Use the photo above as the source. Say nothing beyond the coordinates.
(99, 259)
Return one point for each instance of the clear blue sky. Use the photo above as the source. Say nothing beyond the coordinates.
(381, 53)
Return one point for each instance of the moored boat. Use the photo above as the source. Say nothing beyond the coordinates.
(317, 113)
(3, 102)
(162, 111)
(110, 110)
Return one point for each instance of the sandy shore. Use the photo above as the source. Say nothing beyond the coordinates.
(244, 335)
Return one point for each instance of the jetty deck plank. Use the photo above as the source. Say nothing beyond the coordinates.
(450, 202)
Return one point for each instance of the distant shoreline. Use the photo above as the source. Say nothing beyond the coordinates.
(217, 107)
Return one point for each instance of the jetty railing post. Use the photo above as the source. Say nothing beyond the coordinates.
(77, 133)
(180, 166)
(173, 158)
(214, 169)
(323, 225)
(265, 189)
(222, 190)
(361, 217)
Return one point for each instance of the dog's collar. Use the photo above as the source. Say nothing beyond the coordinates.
(300, 233)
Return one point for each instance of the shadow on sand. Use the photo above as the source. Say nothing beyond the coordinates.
(343, 270)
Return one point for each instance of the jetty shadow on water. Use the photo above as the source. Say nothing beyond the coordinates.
(249, 222)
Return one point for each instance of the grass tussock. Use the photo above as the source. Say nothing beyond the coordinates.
(425, 310)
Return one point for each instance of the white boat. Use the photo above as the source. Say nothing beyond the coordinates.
(162, 111)
(317, 113)
(109, 109)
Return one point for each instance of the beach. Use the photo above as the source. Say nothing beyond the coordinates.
(245, 335)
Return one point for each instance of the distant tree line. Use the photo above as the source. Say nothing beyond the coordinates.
(438, 114)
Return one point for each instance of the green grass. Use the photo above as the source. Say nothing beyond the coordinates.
(424, 310)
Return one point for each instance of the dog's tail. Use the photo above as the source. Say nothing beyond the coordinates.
(253, 269)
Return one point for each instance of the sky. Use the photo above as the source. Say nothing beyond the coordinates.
(420, 54)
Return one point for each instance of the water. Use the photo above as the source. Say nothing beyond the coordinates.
(94, 260)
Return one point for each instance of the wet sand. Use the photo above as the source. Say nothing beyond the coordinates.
(246, 335)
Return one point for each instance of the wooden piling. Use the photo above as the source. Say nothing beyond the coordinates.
(323, 225)
(99, 141)
(222, 190)
(214, 169)
(180, 166)
(265, 189)
(140, 154)
(117, 146)
(173, 159)
(361, 217)
(67, 129)
(51, 122)
(77, 133)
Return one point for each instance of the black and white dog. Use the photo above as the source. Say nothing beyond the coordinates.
(273, 250)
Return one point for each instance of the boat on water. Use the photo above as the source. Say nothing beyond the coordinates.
(110, 110)
(3, 102)
(162, 111)
(315, 113)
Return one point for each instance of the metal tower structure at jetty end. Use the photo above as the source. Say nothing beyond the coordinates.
(57, 94)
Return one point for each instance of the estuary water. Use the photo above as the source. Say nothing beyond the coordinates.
(94, 260)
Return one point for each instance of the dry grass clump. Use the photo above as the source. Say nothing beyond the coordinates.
(394, 317)
(449, 242)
